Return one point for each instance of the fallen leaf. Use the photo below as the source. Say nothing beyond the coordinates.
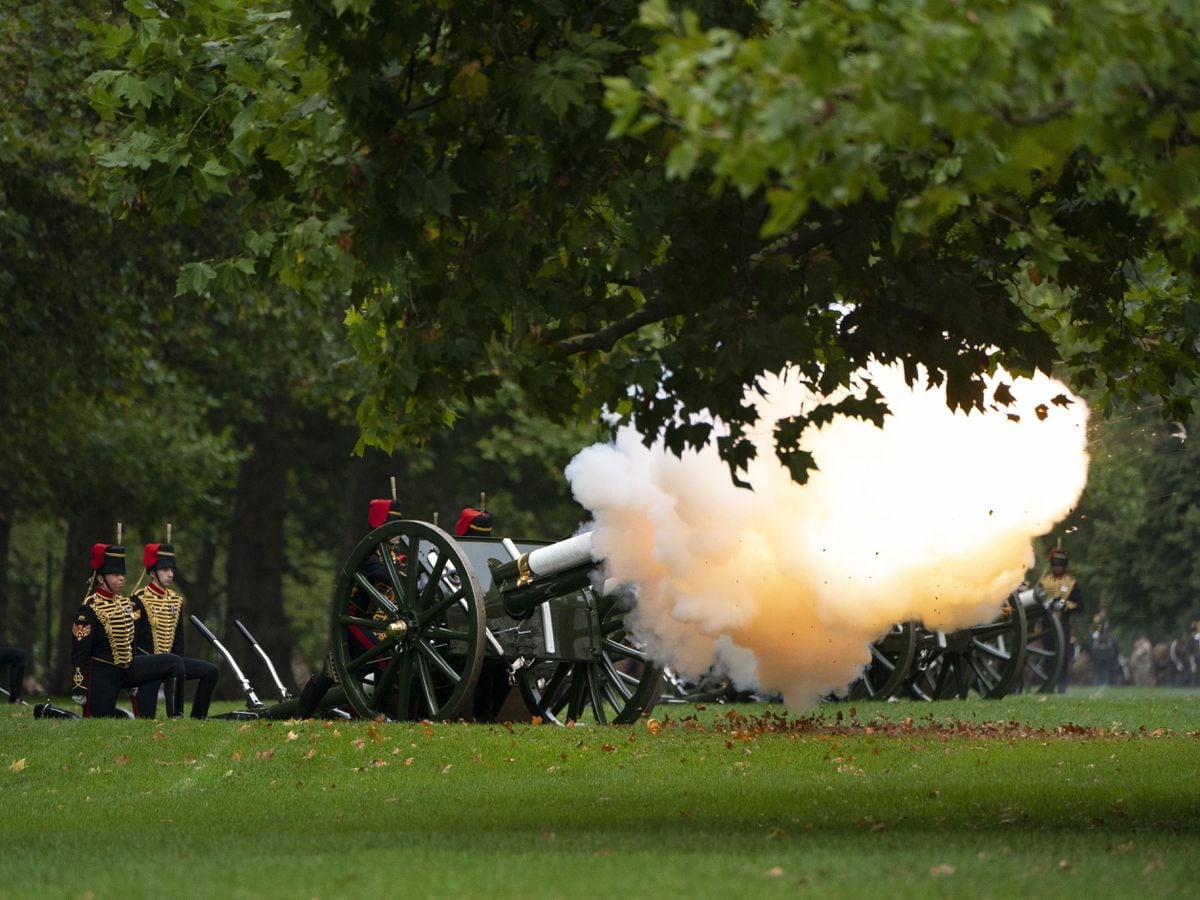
(775, 871)
(122, 760)
(291, 735)
(17, 765)
(941, 869)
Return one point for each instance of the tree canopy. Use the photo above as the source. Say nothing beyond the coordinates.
(642, 209)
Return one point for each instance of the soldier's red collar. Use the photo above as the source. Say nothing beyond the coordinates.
(156, 590)
(105, 593)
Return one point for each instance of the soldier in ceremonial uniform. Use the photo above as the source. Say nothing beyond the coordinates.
(360, 603)
(1062, 595)
(103, 655)
(492, 686)
(163, 633)
(474, 522)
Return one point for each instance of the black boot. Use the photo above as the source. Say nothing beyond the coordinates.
(50, 711)
(310, 697)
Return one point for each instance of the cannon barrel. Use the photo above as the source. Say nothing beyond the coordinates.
(544, 574)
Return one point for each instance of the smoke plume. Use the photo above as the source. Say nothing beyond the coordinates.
(785, 586)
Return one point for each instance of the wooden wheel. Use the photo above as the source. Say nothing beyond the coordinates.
(1045, 650)
(891, 661)
(615, 685)
(407, 625)
(985, 658)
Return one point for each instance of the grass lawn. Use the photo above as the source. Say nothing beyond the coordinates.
(1083, 794)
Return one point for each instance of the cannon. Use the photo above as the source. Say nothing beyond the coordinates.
(427, 626)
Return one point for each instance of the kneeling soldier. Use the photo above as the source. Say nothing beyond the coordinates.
(163, 633)
(102, 640)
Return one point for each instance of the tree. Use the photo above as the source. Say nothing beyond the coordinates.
(644, 213)
(1131, 536)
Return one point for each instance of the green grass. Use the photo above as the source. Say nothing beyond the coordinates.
(1030, 796)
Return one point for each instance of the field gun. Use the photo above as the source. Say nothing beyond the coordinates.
(427, 626)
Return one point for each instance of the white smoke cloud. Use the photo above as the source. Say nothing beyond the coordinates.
(785, 586)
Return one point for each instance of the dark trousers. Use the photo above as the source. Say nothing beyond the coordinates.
(1069, 657)
(199, 670)
(16, 659)
(105, 681)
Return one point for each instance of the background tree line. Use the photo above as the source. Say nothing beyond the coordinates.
(239, 241)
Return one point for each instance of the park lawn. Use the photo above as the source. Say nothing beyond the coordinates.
(1029, 796)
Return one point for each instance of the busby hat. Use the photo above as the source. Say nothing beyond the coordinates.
(159, 556)
(1058, 554)
(108, 559)
(383, 511)
(474, 523)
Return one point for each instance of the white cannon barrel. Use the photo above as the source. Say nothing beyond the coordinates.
(545, 573)
(555, 558)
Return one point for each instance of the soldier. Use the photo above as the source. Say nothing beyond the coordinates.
(16, 659)
(474, 522)
(163, 633)
(1062, 595)
(492, 686)
(379, 513)
(102, 640)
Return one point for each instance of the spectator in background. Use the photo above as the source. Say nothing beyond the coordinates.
(1141, 663)
(1104, 652)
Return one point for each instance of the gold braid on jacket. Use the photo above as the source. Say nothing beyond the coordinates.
(163, 610)
(116, 617)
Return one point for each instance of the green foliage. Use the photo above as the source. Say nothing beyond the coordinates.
(1052, 139)
(1130, 536)
(643, 211)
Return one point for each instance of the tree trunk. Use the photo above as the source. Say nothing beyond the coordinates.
(254, 572)
(5, 539)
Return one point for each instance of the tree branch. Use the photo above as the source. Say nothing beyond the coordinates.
(658, 308)
(654, 310)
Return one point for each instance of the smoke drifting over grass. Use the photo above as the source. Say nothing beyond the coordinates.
(785, 586)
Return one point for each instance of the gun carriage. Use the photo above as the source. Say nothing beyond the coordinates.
(423, 623)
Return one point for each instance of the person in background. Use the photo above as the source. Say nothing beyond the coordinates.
(474, 522)
(1062, 594)
(492, 686)
(163, 633)
(103, 657)
(1104, 652)
(360, 604)
(17, 660)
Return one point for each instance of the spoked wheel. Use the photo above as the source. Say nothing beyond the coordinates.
(1045, 650)
(615, 687)
(891, 661)
(985, 658)
(408, 625)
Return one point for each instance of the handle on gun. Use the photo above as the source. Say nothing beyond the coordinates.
(283, 691)
(212, 639)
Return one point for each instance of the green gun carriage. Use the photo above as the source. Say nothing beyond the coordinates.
(451, 618)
